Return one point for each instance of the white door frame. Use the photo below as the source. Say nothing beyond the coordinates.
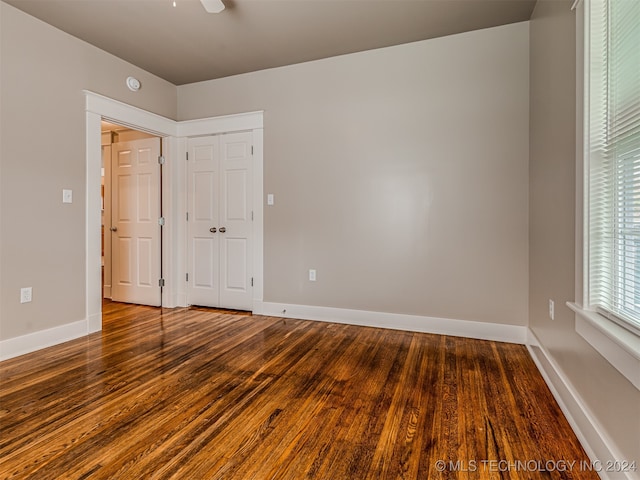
(173, 134)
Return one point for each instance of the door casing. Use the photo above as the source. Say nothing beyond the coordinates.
(173, 134)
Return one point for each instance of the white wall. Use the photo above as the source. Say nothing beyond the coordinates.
(399, 174)
(604, 405)
(43, 72)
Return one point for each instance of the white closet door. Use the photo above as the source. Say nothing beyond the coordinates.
(220, 221)
(235, 219)
(203, 206)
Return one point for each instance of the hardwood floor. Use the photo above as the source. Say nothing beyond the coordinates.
(199, 394)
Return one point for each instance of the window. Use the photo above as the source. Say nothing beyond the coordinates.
(613, 161)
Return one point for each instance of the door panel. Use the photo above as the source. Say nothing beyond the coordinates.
(124, 187)
(122, 261)
(202, 274)
(235, 249)
(145, 262)
(236, 264)
(203, 193)
(219, 172)
(145, 199)
(235, 187)
(135, 213)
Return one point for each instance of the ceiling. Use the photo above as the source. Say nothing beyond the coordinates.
(184, 44)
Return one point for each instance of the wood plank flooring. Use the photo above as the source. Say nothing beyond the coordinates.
(200, 394)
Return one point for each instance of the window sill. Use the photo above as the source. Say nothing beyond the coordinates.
(618, 346)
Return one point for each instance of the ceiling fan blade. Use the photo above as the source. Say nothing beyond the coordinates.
(213, 6)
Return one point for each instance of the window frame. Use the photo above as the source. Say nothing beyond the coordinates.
(619, 345)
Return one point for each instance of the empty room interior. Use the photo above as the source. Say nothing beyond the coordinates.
(330, 239)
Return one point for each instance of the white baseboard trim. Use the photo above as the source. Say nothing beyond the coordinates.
(181, 300)
(14, 347)
(396, 321)
(594, 439)
(94, 323)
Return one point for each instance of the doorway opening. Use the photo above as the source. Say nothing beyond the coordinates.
(131, 215)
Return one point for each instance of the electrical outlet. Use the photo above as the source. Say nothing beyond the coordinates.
(552, 313)
(26, 294)
(312, 275)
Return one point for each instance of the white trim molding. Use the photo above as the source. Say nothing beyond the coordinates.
(129, 116)
(173, 134)
(216, 125)
(596, 442)
(620, 347)
(396, 321)
(14, 347)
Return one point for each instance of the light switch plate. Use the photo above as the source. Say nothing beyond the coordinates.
(26, 294)
(270, 199)
(67, 196)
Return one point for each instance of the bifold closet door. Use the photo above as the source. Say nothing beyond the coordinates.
(219, 171)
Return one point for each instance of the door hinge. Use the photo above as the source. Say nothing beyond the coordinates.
(161, 282)
(187, 277)
(252, 281)
(161, 221)
(187, 216)
(251, 149)
(252, 215)
(187, 155)
(161, 160)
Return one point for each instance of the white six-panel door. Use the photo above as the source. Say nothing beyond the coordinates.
(219, 170)
(135, 239)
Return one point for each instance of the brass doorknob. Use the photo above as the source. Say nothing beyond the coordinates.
(114, 229)
(212, 229)
(223, 229)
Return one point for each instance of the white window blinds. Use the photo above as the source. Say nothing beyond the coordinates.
(614, 160)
